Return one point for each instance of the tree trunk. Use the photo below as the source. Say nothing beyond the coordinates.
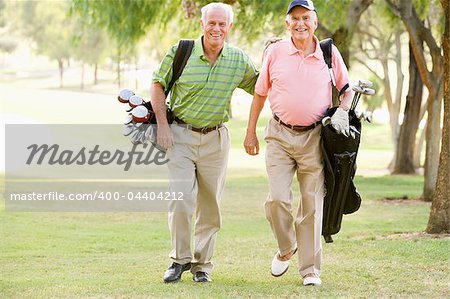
(95, 74)
(433, 134)
(118, 67)
(340, 38)
(439, 221)
(61, 72)
(404, 162)
(136, 73)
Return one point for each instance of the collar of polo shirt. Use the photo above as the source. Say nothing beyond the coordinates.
(198, 49)
(317, 52)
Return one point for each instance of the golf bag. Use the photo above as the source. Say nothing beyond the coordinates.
(180, 59)
(339, 156)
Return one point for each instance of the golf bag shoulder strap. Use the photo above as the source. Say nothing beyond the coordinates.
(327, 45)
(180, 59)
(346, 86)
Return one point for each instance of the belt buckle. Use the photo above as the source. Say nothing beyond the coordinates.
(204, 130)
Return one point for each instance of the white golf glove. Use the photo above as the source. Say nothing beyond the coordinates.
(340, 123)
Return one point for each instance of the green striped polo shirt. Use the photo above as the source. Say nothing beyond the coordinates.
(202, 95)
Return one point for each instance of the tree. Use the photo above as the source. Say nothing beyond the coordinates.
(91, 45)
(126, 21)
(380, 43)
(48, 27)
(432, 79)
(7, 44)
(343, 35)
(439, 221)
(406, 143)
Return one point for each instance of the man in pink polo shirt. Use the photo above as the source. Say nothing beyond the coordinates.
(295, 77)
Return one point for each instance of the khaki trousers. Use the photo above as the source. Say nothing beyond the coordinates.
(289, 152)
(197, 166)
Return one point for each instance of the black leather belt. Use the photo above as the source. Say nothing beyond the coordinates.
(198, 130)
(296, 128)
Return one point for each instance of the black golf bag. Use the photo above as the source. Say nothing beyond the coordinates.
(339, 155)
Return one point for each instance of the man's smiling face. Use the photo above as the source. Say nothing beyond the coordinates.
(302, 23)
(215, 27)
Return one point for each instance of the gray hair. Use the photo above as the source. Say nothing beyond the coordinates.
(218, 5)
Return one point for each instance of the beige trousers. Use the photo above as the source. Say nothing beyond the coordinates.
(289, 152)
(197, 166)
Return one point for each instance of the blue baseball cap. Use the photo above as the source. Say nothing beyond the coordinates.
(308, 4)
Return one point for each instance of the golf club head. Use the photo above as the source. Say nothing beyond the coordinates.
(358, 89)
(367, 116)
(354, 130)
(128, 129)
(368, 91)
(128, 119)
(365, 83)
(346, 133)
(135, 137)
(352, 134)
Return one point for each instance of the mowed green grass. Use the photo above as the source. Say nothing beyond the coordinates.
(380, 251)
(124, 255)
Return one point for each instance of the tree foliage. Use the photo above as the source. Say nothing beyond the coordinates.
(47, 26)
(126, 21)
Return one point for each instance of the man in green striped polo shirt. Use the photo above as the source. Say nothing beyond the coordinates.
(198, 142)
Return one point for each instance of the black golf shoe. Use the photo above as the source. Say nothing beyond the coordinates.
(201, 276)
(173, 273)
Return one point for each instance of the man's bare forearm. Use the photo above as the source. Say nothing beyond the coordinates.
(158, 99)
(255, 111)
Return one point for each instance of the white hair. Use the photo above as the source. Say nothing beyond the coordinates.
(218, 5)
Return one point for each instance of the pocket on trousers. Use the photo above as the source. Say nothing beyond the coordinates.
(272, 130)
(224, 138)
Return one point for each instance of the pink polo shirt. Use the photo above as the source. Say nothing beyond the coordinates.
(299, 88)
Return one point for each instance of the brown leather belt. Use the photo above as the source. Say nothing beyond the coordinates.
(296, 128)
(198, 130)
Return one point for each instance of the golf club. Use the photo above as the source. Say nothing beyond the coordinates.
(124, 95)
(365, 83)
(363, 87)
(135, 101)
(128, 129)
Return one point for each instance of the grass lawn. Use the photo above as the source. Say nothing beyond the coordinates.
(380, 251)
(124, 254)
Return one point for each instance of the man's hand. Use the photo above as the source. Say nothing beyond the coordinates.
(164, 136)
(339, 121)
(251, 143)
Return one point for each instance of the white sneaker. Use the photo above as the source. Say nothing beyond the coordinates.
(312, 281)
(278, 267)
